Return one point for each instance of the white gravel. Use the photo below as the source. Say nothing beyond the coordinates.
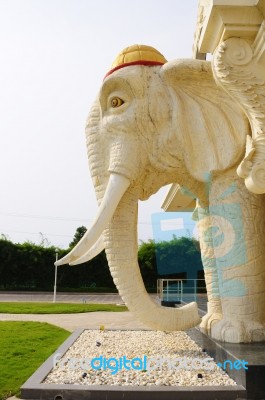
(169, 352)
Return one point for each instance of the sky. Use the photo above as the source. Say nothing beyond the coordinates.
(54, 55)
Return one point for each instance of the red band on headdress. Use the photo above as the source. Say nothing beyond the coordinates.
(140, 62)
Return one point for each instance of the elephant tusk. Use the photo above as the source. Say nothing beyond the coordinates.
(115, 190)
(92, 252)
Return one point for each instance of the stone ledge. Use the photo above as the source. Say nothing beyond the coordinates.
(254, 353)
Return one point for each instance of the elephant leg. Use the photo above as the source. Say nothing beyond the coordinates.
(238, 226)
(214, 307)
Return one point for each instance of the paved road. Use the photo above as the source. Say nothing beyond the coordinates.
(98, 298)
(104, 298)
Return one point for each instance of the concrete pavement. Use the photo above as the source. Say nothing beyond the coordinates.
(91, 320)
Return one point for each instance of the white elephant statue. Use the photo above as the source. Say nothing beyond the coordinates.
(155, 123)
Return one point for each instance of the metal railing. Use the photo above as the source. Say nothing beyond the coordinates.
(178, 290)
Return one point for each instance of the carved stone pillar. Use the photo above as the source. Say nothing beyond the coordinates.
(234, 32)
(239, 67)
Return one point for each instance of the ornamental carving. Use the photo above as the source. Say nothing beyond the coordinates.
(238, 67)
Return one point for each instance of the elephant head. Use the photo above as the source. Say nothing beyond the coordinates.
(153, 123)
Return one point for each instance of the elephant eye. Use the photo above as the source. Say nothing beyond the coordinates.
(116, 102)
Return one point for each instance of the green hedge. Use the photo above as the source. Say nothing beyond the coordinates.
(31, 267)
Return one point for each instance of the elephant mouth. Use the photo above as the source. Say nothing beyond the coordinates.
(92, 243)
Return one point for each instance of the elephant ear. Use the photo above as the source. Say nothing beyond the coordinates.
(210, 126)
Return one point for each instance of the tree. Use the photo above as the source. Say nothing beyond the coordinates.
(176, 258)
(147, 263)
(81, 230)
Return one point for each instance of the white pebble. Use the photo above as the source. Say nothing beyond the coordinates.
(132, 344)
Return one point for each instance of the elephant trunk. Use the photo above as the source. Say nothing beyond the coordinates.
(118, 202)
(108, 196)
(121, 249)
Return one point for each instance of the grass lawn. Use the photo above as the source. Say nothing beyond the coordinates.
(24, 346)
(55, 308)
